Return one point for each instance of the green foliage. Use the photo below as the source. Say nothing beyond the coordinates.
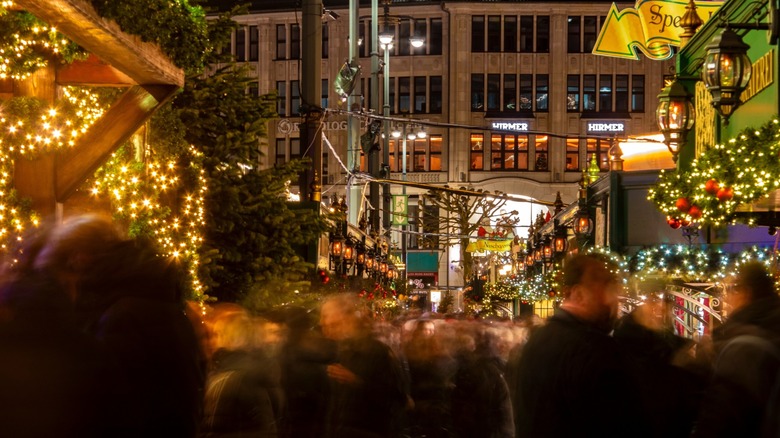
(747, 165)
(252, 233)
(41, 44)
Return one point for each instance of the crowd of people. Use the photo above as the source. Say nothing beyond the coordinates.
(96, 340)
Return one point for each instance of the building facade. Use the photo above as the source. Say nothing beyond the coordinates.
(508, 94)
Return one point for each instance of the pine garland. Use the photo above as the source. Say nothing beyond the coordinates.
(724, 177)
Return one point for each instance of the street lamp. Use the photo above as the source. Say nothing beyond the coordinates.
(675, 116)
(726, 71)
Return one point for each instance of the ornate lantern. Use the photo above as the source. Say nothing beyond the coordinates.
(726, 72)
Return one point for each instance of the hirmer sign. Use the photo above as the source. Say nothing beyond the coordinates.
(594, 127)
(510, 126)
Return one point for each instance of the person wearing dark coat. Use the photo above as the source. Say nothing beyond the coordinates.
(54, 380)
(571, 378)
(367, 397)
(129, 299)
(743, 398)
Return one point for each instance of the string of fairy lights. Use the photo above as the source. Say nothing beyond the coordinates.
(724, 177)
(134, 189)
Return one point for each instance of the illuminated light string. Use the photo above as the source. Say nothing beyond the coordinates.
(666, 262)
(724, 177)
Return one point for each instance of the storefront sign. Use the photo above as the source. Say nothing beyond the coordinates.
(652, 26)
(482, 245)
(602, 127)
(762, 77)
(287, 126)
(510, 126)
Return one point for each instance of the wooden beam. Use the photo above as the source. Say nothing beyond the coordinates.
(77, 19)
(124, 117)
(92, 72)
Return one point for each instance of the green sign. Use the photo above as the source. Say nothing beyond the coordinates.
(400, 210)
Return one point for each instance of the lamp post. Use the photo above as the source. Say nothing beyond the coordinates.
(675, 116)
(727, 70)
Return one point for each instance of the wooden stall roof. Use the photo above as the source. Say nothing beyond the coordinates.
(143, 62)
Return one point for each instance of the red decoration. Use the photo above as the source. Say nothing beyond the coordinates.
(695, 212)
(712, 186)
(685, 222)
(673, 222)
(725, 194)
(548, 217)
(551, 294)
(683, 204)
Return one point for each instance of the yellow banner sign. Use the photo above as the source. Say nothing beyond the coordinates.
(652, 26)
(482, 245)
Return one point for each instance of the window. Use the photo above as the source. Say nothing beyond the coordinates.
(422, 154)
(254, 43)
(599, 148)
(589, 93)
(543, 34)
(493, 92)
(281, 151)
(590, 26)
(510, 93)
(573, 93)
(324, 98)
(391, 95)
(573, 41)
(436, 103)
(434, 43)
(435, 153)
(477, 92)
(494, 33)
(638, 93)
(605, 93)
(526, 92)
(324, 166)
(478, 33)
(527, 33)
(241, 44)
(540, 153)
(281, 98)
(542, 87)
(404, 94)
(253, 88)
(295, 148)
(621, 93)
(295, 41)
(420, 31)
(477, 153)
(510, 34)
(365, 47)
(509, 152)
(281, 41)
(572, 154)
(295, 98)
(420, 149)
(419, 94)
(404, 32)
(430, 226)
(325, 38)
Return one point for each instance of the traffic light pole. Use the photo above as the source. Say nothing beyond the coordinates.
(373, 155)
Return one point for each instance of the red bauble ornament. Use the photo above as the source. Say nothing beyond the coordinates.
(685, 222)
(695, 212)
(711, 186)
(683, 204)
(725, 194)
(551, 294)
(673, 222)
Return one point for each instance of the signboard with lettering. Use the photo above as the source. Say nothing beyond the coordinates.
(605, 127)
(510, 126)
(400, 210)
(652, 27)
(291, 126)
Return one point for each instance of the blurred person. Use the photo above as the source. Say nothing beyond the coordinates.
(743, 398)
(571, 377)
(239, 399)
(55, 380)
(430, 371)
(367, 397)
(480, 400)
(661, 365)
(131, 300)
(303, 358)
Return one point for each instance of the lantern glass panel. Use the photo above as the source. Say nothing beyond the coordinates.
(349, 252)
(336, 248)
